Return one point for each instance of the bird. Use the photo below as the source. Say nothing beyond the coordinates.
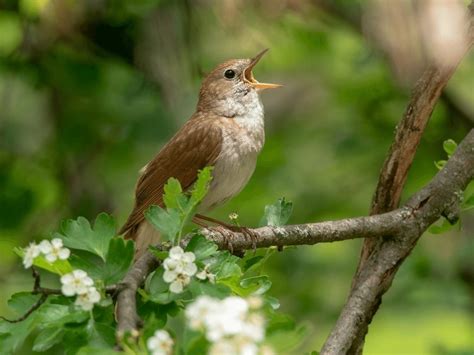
(226, 132)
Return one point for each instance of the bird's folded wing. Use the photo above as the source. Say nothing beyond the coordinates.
(196, 145)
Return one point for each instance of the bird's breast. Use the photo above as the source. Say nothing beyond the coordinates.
(241, 144)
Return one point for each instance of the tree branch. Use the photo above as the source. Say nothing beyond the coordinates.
(423, 209)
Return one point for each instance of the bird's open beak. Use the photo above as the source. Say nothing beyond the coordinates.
(248, 75)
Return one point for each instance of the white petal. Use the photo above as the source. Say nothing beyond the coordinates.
(176, 287)
(64, 253)
(57, 243)
(190, 269)
(67, 279)
(87, 281)
(176, 252)
(202, 275)
(79, 274)
(45, 246)
(68, 290)
(170, 264)
(169, 276)
(51, 257)
(188, 257)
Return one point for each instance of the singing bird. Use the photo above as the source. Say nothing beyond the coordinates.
(226, 132)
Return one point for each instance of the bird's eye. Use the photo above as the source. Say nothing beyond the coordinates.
(229, 74)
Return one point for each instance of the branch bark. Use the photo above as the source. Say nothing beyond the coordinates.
(387, 197)
(407, 223)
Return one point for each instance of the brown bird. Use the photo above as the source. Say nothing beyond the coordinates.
(226, 132)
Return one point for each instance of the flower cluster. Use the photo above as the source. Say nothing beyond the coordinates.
(232, 325)
(78, 283)
(179, 268)
(52, 250)
(160, 343)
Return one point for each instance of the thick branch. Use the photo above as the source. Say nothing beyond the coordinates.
(423, 209)
(440, 197)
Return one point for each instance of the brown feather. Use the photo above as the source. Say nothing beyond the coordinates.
(196, 145)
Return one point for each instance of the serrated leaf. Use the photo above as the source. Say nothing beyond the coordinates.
(78, 234)
(201, 186)
(119, 258)
(277, 214)
(100, 334)
(198, 288)
(173, 195)
(256, 284)
(12, 335)
(22, 301)
(47, 338)
(168, 222)
(201, 247)
(449, 146)
(113, 269)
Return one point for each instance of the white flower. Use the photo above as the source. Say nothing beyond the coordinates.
(160, 343)
(233, 346)
(232, 325)
(31, 252)
(54, 250)
(254, 327)
(76, 283)
(179, 267)
(206, 275)
(87, 300)
(200, 310)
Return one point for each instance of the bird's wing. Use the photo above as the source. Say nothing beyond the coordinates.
(196, 145)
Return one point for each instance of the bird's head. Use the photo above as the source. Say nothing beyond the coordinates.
(231, 85)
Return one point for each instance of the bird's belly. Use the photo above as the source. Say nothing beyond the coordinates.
(231, 173)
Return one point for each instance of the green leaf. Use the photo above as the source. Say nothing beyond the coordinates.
(201, 186)
(12, 335)
(100, 334)
(90, 350)
(277, 214)
(47, 338)
(440, 164)
(201, 247)
(173, 195)
(56, 315)
(257, 284)
(283, 342)
(440, 228)
(198, 288)
(78, 234)
(119, 258)
(449, 146)
(22, 301)
(168, 222)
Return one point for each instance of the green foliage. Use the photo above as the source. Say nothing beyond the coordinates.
(179, 206)
(61, 323)
(78, 234)
(449, 146)
(277, 214)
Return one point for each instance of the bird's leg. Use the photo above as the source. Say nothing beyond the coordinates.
(247, 232)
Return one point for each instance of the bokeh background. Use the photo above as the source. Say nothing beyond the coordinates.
(91, 89)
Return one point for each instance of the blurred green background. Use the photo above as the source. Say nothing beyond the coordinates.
(90, 90)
